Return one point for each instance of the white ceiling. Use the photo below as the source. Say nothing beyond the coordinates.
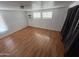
(33, 5)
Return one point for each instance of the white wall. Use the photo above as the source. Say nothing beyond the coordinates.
(56, 23)
(14, 20)
(59, 16)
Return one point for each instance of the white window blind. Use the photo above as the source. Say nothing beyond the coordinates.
(47, 15)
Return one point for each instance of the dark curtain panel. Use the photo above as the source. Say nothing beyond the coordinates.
(73, 50)
(70, 32)
(69, 19)
(64, 29)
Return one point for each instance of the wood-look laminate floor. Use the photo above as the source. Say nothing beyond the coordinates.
(32, 42)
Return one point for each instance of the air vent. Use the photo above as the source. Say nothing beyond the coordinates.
(22, 7)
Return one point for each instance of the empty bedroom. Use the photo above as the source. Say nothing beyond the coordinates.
(33, 28)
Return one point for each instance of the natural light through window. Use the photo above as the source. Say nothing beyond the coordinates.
(3, 27)
(47, 15)
(36, 15)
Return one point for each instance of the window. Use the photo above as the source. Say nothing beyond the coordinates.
(3, 26)
(36, 15)
(47, 15)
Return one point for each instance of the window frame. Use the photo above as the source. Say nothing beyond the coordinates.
(46, 16)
